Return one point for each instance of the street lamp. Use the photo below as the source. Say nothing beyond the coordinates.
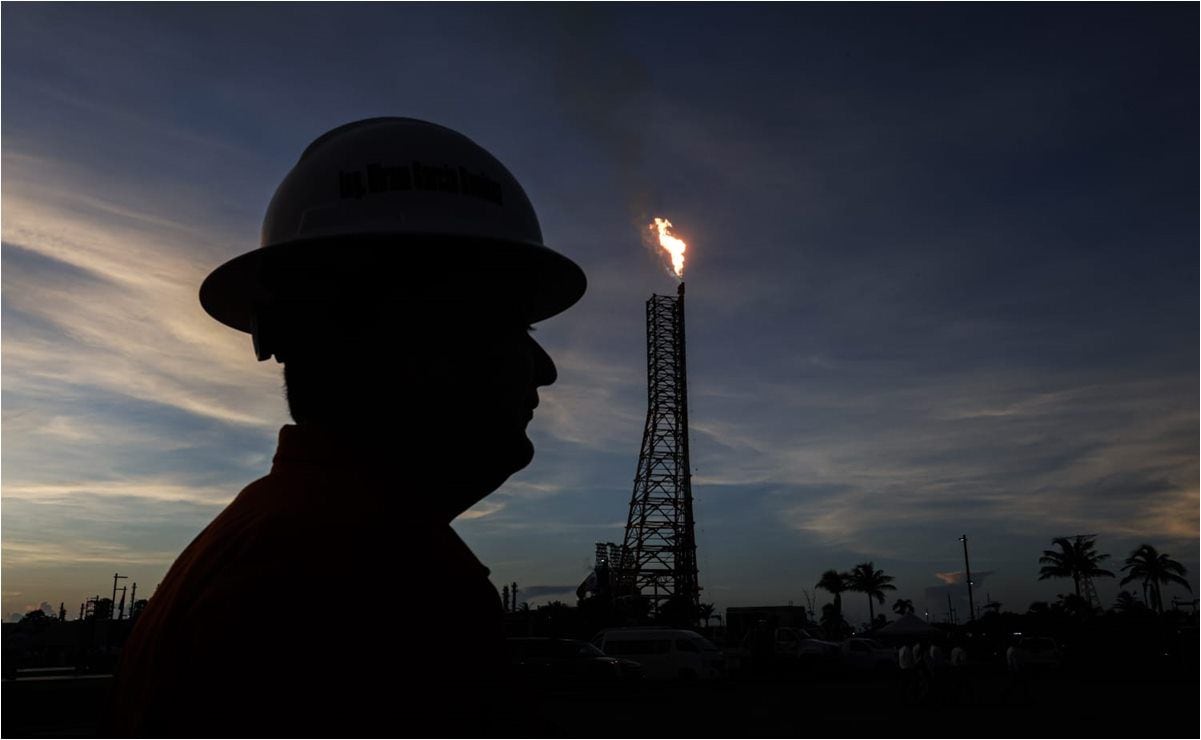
(971, 604)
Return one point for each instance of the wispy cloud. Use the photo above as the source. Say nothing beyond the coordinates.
(19, 553)
(93, 303)
(482, 509)
(958, 577)
(164, 489)
(1111, 456)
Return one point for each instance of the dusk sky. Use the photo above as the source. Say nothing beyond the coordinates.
(942, 276)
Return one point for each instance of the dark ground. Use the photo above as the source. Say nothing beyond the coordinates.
(1055, 705)
(54, 706)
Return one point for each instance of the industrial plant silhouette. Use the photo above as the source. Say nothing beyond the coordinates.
(781, 670)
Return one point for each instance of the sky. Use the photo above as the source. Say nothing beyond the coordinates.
(942, 276)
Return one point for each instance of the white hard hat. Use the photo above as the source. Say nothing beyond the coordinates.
(399, 207)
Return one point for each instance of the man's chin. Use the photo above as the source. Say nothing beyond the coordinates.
(486, 473)
(518, 457)
(524, 454)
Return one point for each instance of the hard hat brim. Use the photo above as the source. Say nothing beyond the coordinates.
(533, 277)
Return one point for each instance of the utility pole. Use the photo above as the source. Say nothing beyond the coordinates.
(971, 604)
(133, 598)
(115, 577)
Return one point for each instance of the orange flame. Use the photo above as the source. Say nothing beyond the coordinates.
(672, 243)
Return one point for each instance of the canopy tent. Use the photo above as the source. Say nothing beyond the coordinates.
(907, 626)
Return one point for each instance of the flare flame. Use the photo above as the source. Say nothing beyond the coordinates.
(672, 243)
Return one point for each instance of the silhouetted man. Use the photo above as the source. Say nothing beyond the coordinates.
(400, 271)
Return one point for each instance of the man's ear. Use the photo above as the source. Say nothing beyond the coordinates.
(260, 333)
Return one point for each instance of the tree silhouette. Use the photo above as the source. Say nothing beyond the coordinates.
(36, 617)
(835, 583)
(1154, 568)
(102, 609)
(865, 579)
(1073, 605)
(705, 612)
(677, 611)
(1077, 559)
(1127, 604)
(902, 607)
(832, 623)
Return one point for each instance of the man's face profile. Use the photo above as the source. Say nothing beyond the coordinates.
(454, 381)
(476, 376)
(483, 369)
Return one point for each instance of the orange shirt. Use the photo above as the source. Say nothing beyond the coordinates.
(324, 600)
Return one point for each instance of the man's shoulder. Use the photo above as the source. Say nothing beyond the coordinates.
(255, 538)
(255, 518)
(281, 527)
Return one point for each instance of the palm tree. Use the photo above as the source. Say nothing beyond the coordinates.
(835, 583)
(903, 606)
(865, 579)
(1154, 568)
(1077, 559)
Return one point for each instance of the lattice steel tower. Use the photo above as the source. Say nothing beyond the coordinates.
(659, 552)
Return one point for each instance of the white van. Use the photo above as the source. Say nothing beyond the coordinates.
(664, 653)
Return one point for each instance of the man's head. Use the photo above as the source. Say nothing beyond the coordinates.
(400, 274)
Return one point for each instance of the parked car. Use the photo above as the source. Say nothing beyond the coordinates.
(1034, 654)
(570, 661)
(798, 643)
(664, 653)
(781, 649)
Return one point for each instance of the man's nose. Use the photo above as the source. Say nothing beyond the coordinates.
(544, 367)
